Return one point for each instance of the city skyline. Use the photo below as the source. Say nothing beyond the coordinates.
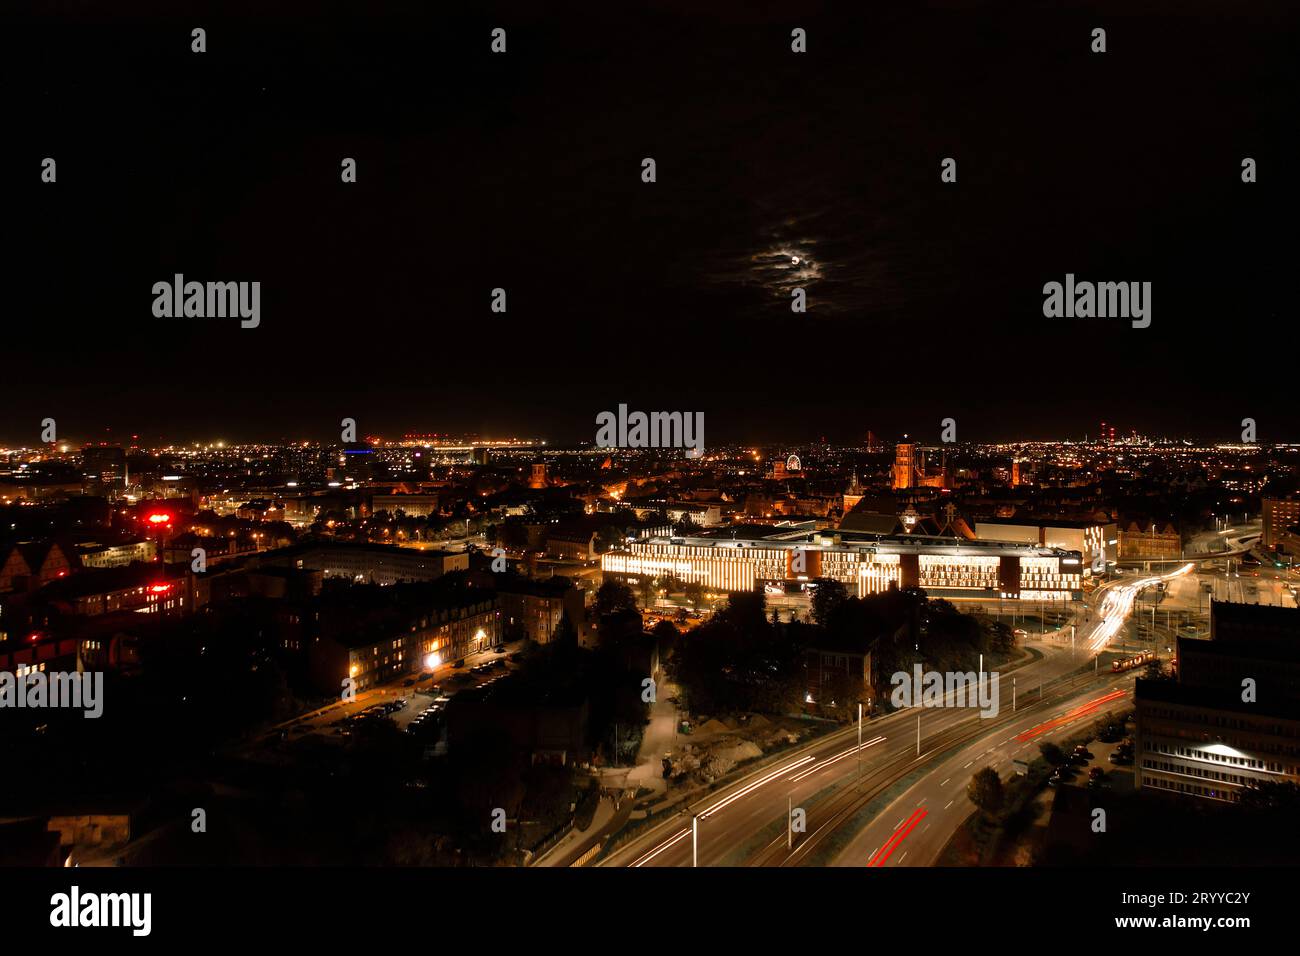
(815, 437)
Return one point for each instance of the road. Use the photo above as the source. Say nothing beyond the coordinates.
(741, 819)
(913, 828)
(835, 782)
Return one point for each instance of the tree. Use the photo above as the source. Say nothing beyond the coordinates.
(609, 537)
(565, 632)
(985, 791)
(1053, 754)
(830, 594)
(613, 596)
(1156, 670)
(647, 590)
(686, 526)
(666, 636)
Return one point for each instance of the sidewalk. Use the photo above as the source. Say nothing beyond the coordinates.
(659, 737)
(588, 843)
(564, 849)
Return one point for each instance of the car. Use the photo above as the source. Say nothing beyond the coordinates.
(499, 662)
(459, 663)
(1077, 758)
(1120, 757)
(500, 649)
(409, 681)
(1096, 773)
(1084, 752)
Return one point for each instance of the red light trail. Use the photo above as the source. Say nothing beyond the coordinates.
(882, 855)
(1082, 710)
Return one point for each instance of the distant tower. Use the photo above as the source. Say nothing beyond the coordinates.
(538, 479)
(905, 465)
(853, 494)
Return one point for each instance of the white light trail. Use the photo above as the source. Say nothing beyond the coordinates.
(1118, 603)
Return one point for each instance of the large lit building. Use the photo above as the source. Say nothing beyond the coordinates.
(1153, 543)
(445, 631)
(1092, 539)
(368, 563)
(96, 555)
(1232, 718)
(745, 558)
(1279, 515)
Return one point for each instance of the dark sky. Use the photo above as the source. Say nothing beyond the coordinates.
(523, 171)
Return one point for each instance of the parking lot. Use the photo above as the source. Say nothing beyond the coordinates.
(404, 700)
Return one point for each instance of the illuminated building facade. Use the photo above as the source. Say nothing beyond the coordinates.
(905, 465)
(1197, 737)
(866, 563)
(1279, 515)
(369, 563)
(451, 632)
(910, 470)
(1092, 539)
(1151, 544)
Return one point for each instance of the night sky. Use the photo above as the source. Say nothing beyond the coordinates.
(523, 171)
